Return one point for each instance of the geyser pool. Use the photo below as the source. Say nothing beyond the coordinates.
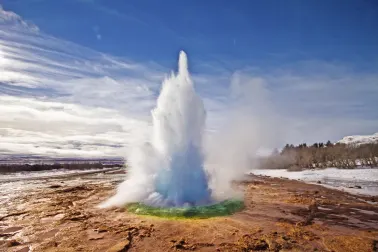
(226, 207)
(168, 171)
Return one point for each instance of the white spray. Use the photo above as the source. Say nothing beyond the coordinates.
(169, 171)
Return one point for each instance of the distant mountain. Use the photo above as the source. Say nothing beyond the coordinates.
(358, 140)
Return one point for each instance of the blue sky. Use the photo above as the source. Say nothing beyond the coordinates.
(310, 66)
(233, 32)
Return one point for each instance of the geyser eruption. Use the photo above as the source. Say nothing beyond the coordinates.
(169, 170)
(178, 124)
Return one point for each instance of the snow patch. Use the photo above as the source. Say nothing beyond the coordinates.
(360, 139)
(356, 181)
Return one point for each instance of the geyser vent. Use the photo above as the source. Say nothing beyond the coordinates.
(223, 208)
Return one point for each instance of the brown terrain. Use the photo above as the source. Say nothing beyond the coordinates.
(279, 215)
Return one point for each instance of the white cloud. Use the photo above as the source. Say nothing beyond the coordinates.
(96, 30)
(35, 126)
(12, 20)
(61, 99)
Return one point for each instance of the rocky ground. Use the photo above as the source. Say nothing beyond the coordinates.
(280, 215)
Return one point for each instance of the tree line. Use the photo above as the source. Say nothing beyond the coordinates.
(322, 155)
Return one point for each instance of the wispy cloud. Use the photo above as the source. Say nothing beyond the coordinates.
(96, 30)
(54, 93)
(61, 99)
(12, 20)
(111, 11)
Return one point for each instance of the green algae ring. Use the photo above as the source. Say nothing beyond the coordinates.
(223, 208)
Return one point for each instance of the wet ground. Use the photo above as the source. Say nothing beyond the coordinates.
(60, 214)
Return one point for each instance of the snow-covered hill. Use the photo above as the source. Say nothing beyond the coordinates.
(363, 139)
